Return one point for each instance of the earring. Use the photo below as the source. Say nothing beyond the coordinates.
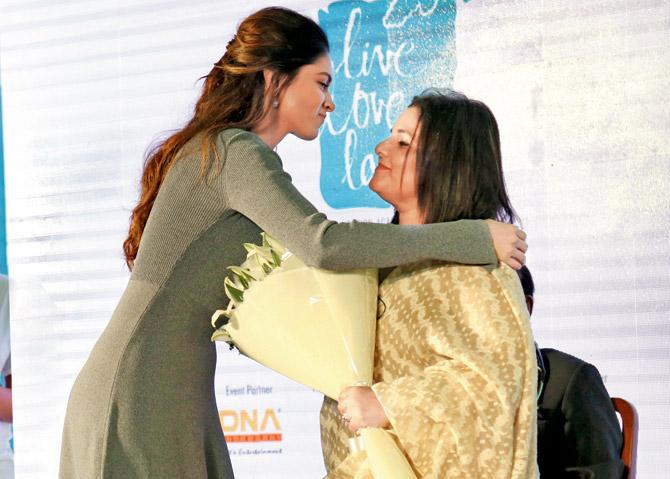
(275, 103)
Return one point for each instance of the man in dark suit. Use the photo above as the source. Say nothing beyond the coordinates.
(578, 431)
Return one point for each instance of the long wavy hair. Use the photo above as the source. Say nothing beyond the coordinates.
(459, 171)
(233, 96)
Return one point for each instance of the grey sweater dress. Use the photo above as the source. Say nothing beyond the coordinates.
(143, 406)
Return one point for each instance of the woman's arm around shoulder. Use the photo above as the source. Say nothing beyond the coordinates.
(254, 183)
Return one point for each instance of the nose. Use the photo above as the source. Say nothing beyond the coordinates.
(329, 104)
(380, 149)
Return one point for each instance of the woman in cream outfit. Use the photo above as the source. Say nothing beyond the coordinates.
(455, 371)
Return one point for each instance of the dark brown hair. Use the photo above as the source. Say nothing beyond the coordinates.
(233, 96)
(458, 165)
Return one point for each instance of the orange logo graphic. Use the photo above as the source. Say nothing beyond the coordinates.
(250, 425)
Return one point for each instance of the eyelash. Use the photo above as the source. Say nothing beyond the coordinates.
(324, 85)
(404, 144)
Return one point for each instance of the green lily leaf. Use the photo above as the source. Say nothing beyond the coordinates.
(260, 251)
(232, 291)
(275, 258)
(260, 262)
(270, 241)
(240, 279)
(243, 272)
(264, 264)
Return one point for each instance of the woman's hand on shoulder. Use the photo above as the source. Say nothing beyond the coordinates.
(360, 408)
(509, 243)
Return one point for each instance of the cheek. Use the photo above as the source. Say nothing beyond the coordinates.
(299, 110)
(302, 98)
(290, 104)
(408, 180)
(409, 184)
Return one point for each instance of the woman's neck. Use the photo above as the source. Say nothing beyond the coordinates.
(410, 216)
(269, 131)
(270, 138)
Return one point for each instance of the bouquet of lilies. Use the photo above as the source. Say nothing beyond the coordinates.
(314, 326)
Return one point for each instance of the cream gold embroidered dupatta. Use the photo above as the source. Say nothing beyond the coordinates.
(455, 371)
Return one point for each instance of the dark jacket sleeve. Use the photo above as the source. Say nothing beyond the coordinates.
(593, 436)
(254, 184)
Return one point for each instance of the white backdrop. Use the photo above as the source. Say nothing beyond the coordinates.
(579, 90)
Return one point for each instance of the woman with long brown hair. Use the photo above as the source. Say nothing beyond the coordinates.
(144, 403)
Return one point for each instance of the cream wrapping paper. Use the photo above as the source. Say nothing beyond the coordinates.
(310, 325)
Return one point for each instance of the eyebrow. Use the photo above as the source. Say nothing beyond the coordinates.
(330, 79)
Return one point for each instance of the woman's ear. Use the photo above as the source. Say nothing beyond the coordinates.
(268, 76)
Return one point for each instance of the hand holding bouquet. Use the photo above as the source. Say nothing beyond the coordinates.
(313, 326)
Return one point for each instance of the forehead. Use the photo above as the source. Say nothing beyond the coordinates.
(407, 120)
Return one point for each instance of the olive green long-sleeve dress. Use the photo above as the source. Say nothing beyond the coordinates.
(143, 406)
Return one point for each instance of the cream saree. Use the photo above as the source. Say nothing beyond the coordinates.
(455, 372)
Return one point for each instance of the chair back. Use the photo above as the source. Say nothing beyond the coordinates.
(629, 423)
